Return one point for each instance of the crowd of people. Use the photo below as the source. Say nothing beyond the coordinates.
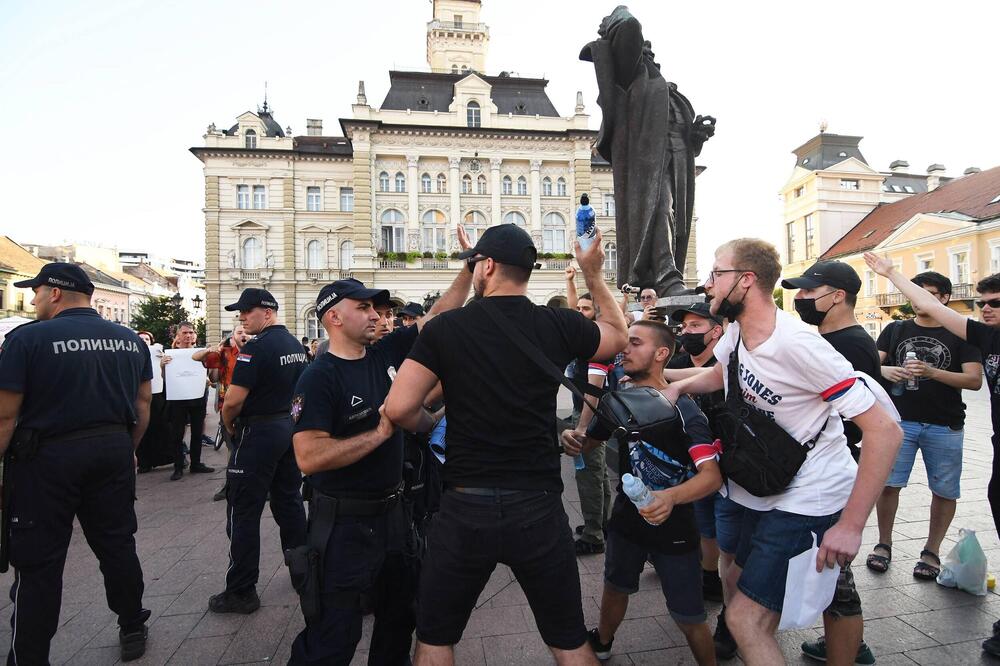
(425, 445)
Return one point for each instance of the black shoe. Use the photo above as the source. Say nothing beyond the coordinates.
(133, 643)
(602, 650)
(588, 547)
(725, 644)
(711, 586)
(201, 468)
(144, 469)
(579, 530)
(176, 476)
(207, 441)
(991, 646)
(234, 602)
(219, 496)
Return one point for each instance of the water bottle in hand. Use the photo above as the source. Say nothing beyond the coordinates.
(636, 491)
(586, 227)
(913, 383)
(579, 463)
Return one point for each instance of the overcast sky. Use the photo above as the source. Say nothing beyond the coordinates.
(101, 100)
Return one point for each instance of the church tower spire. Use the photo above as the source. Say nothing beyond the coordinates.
(456, 40)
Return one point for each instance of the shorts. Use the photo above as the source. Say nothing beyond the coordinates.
(846, 602)
(529, 532)
(704, 515)
(728, 524)
(768, 541)
(680, 576)
(941, 449)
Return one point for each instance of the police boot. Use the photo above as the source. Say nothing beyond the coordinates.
(235, 602)
(133, 638)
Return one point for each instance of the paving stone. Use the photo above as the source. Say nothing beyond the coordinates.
(200, 651)
(165, 635)
(968, 652)
(496, 621)
(515, 650)
(94, 656)
(470, 652)
(258, 638)
(641, 634)
(952, 625)
(216, 624)
(888, 602)
(891, 635)
(936, 597)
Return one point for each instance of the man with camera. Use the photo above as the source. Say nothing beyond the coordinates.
(502, 473)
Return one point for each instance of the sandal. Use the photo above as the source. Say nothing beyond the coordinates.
(880, 563)
(925, 571)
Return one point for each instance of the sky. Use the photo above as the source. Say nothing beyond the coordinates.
(101, 100)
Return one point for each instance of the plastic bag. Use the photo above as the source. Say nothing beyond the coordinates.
(807, 593)
(965, 566)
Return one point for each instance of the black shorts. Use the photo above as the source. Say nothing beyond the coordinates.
(529, 532)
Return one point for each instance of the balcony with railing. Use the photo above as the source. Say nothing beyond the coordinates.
(892, 299)
(457, 26)
(391, 264)
(611, 275)
(315, 274)
(434, 264)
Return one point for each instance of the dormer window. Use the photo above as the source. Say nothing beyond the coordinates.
(473, 116)
(251, 139)
(520, 109)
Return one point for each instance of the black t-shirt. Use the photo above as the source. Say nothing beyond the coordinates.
(501, 406)
(986, 339)
(75, 371)
(269, 366)
(713, 404)
(854, 344)
(342, 397)
(689, 442)
(933, 402)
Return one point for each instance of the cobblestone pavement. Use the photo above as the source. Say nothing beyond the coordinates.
(183, 548)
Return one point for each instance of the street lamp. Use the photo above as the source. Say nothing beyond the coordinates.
(177, 299)
(196, 301)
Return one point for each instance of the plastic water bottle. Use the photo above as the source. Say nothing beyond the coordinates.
(437, 443)
(579, 463)
(912, 384)
(636, 491)
(586, 227)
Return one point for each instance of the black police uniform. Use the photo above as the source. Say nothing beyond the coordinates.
(356, 511)
(262, 459)
(79, 376)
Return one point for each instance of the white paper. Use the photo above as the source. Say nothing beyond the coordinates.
(155, 352)
(807, 593)
(185, 379)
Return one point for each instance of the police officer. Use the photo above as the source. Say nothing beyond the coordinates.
(256, 415)
(78, 388)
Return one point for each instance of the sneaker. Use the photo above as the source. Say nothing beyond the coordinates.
(207, 441)
(991, 646)
(817, 650)
(178, 473)
(234, 602)
(133, 643)
(711, 586)
(602, 650)
(725, 644)
(201, 468)
(588, 547)
(219, 496)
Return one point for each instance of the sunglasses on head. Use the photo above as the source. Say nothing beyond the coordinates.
(993, 303)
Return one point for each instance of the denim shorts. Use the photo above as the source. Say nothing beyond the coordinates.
(728, 524)
(680, 576)
(941, 449)
(768, 540)
(704, 515)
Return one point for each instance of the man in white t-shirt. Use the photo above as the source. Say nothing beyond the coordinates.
(792, 375)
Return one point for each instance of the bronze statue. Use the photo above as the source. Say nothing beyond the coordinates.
(651, 136)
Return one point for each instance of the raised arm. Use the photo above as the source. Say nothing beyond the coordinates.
(571, 287)
(950, 319)
(457, 293)
(614, 329)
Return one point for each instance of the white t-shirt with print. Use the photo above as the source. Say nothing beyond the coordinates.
(799, 380)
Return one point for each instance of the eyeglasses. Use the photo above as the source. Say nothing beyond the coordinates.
(994, 303)
(714, 274)
(471, 262)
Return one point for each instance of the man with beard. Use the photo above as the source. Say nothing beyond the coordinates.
(502, 473)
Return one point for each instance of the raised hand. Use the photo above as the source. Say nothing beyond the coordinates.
(591, 260)
(881, 265)
(463, 238)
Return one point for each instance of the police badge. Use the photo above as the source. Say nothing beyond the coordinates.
(297, 403)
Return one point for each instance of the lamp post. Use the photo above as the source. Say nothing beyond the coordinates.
(177, 299)
(196, 301)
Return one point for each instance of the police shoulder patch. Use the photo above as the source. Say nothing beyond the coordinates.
(297, 403)
(244, 357)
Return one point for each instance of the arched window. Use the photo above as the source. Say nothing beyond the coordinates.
(561, 187)
(473, 115)
(481, 183)
(314, 329)
(466, 184)
(393, 231)
(347, 255)
(513, 217)
(383, 182)
(442, 183)
(507, 185)
(251, 139)
(547, 186)
(251, 253)
(474, 223)
(554, 233)
(425, 183)
(522, 186)
(400, 182)
(314, 255)
(610, 257)
(435, 231)
(465, 68)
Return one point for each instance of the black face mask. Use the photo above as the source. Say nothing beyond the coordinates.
(730, 310)
(693, 343)
(806, 307)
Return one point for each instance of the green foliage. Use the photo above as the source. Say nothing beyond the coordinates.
(157, 314)
(440, 256)
(428, 255)
(779, 298)
(904, 311)
(200, 329)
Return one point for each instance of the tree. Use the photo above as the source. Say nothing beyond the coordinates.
(779, 298)
(157, 314)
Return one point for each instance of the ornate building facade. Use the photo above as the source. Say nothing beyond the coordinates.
(382, 202)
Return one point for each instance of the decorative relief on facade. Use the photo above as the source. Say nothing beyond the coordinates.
(413, 241)
(250, 163)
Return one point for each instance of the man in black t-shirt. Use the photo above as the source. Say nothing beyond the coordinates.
(679, 464)
(928, 394)
(502, 473)
(353, 456)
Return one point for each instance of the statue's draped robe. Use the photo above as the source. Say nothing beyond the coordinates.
(643, 135)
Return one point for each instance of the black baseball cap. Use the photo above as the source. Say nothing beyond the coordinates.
(253, 298)
(412, 309)
(700, 309)
(506, 243)
(834, 274)
(68, 277)
(355, 290)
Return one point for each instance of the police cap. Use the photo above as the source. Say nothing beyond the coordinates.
(68, 277)
(355, 290)
(253, 298)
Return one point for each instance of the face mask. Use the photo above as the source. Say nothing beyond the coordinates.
(806, 307)
(693, 343)
(730, 310)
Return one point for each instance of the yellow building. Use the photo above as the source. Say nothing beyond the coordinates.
(16, 264)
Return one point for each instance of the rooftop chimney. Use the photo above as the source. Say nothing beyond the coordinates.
(934, 173)
(314, 127)
(899, 166)
(971, 170)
